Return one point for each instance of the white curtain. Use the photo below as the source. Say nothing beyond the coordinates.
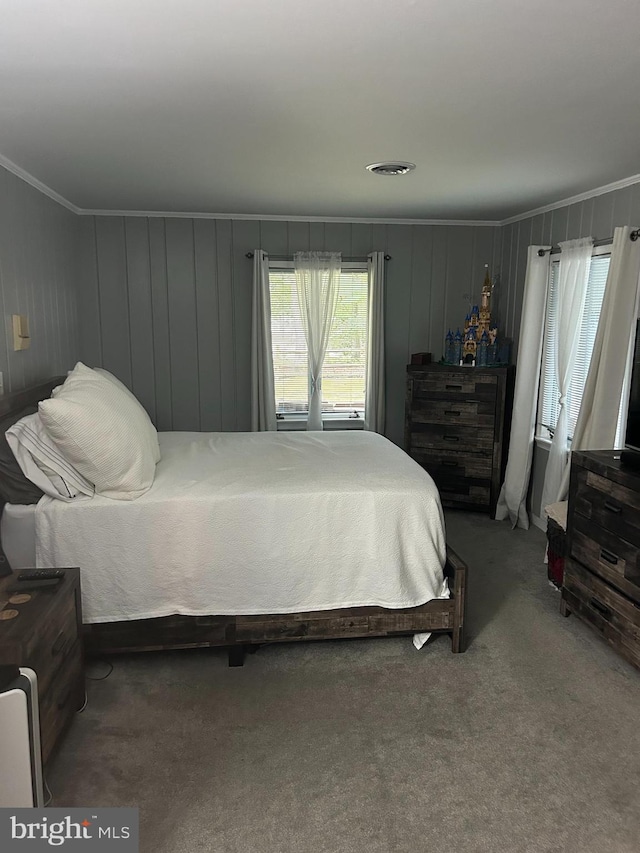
(573, 276)
(317, 282)
(263, 397)
(598, 417)
(374, 396)
(512, 501)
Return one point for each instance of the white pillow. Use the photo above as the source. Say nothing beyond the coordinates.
(103, 433)
(153, 434)
(42, 462)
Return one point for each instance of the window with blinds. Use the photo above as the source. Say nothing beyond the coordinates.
(344, 370)
(549, 394)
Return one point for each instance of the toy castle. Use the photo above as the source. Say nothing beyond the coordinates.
(478, 344)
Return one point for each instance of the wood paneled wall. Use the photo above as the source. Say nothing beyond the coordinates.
(38, 277)
(166, 303)
(596, 217)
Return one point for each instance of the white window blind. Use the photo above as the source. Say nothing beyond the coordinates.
(548, 403)
(344, 370)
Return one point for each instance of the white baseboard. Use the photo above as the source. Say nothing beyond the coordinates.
(540, 523)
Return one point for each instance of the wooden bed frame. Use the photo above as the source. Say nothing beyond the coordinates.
(242, 633)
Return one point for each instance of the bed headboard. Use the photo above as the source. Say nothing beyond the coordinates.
(16, 401)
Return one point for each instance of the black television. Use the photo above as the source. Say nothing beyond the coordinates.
(630, 456)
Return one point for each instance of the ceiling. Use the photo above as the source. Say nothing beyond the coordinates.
(274, 107)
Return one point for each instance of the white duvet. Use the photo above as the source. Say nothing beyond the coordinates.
(250, 523)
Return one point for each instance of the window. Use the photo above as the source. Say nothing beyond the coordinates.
(344, 370)
(548, 399)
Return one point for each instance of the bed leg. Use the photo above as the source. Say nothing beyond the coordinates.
(458, 568)
(564, 608)
(457, 641)
(236, 655)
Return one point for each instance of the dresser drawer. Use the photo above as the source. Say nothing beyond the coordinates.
(606, 554)
(467, 412)
(608, 504)
(612, 614)
(454, 463)
(63, 698)
(451, 437)
(461, 491)
(444, 385)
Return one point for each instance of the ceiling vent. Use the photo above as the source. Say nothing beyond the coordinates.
(392, 167)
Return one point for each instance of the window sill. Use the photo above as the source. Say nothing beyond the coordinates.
(293, 423)
(544, 443)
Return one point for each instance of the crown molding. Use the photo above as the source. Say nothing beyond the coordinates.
(169, 214)
(575, 199)
(10, 166)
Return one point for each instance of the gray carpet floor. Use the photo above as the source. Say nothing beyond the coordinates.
(530, 741)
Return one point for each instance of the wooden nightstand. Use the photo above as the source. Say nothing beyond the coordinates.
(46, 636)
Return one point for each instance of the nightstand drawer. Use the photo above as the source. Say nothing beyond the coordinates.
(606, 554)
(613, 615)
(53, 643)
(63, 698)
(608, 504)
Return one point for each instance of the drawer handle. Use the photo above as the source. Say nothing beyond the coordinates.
(59, 644)
(601, 608)
(450, 463)
(453, 387)
(451, 437)
(451, 412)
(608, 557)
(612, 507)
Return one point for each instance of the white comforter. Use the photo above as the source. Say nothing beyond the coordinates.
(249, 523)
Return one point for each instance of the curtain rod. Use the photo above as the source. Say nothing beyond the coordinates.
(634, 235)
(290, 258)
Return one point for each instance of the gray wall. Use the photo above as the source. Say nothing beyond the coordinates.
(596, 217)
(166, 303)
(38, 277)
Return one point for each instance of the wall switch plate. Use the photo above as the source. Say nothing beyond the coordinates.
(21, 339)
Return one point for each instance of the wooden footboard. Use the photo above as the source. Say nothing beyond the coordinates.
(180, 632)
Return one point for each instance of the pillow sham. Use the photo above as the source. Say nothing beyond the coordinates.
(42, 462)
(153, 434)
(15, 488)
(102, 433)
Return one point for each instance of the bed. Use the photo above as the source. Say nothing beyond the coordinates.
(252, 538)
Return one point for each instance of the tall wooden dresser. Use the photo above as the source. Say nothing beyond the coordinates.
(457, 425)
(601, 583)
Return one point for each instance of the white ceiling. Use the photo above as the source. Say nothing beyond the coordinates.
(274, 107)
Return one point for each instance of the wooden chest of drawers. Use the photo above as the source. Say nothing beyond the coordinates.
(602, 573)
(45, 635)
(457, 427)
